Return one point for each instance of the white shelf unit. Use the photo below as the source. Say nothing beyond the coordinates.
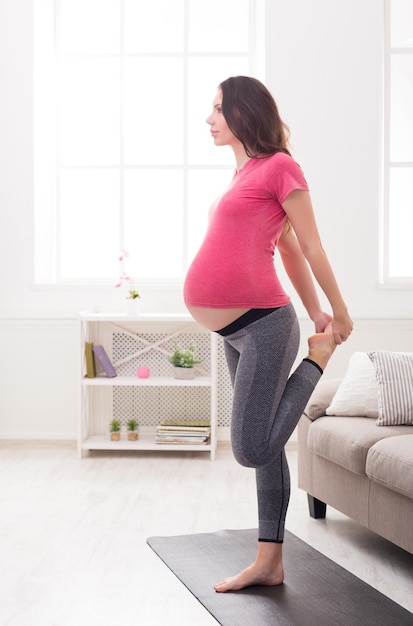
(132, 341)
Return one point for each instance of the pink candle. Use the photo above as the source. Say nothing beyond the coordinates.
(143, 372)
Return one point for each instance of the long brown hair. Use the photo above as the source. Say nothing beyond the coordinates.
(252, 116)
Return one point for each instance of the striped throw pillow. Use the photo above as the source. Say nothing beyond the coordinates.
(394, 372)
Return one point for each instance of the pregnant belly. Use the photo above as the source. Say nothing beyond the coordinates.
(215, 319)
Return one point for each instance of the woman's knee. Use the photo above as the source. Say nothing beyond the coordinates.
(249, 457)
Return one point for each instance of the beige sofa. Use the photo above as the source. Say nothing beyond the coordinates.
(359, 468)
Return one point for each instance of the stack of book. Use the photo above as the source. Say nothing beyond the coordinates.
(184, 432)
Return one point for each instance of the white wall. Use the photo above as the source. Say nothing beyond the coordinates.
(39, 379)
(323, 64)
(324, 67)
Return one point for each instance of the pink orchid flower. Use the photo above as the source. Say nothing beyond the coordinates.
(123, 255)
(124, 277)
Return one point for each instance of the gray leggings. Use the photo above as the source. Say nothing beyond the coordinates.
(267, 405)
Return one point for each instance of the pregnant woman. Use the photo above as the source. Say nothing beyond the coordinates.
(232, 288)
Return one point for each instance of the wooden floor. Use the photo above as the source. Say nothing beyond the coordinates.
(73, 534)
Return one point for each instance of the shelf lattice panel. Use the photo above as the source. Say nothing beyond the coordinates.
(151, 405)
(153, 349)
(128, 350)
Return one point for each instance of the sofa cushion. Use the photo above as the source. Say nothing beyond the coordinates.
(394, 371)
(347, 440)
(321, 398)
(358, 391)
(390, 463)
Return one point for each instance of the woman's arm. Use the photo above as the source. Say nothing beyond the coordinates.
(300, 276)
(300, 213)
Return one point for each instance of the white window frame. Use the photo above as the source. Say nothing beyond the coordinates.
(387, 279)
(49, 223)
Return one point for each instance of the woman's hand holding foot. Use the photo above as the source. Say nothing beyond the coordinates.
(321, 346)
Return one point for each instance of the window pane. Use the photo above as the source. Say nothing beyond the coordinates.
(212, 29)
(89, 223)
(401, 107)
(401, 222)
(155, 26)
(154, 112)
(153, 219)
(120, 127)
(89, 111)
(89, 26)
(204, 186)
(204, 76)
(401, 31)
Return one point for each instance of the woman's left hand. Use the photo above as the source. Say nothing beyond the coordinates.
(342, 328)
(321, 321)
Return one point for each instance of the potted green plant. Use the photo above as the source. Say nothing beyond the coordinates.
(132, 426)
(184, 362)
(115, 427)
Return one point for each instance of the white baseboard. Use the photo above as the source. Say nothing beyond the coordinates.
(38, 437)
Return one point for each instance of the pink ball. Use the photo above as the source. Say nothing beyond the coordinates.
(143, 371)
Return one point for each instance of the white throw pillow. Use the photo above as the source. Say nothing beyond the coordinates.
(394, 372)
(357, 395)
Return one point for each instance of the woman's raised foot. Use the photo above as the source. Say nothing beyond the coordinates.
(321, 346)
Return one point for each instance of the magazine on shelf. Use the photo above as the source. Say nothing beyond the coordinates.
(187, 423)
(184, 432)
(182, 440)
(185, 429)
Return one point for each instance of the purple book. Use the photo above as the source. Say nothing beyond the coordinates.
(102, 357)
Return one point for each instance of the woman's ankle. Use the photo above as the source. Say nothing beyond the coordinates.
(321, 347)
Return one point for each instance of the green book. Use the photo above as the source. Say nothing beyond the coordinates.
(90, 361)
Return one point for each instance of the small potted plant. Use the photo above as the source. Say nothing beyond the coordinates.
(184, 362)
(132, 425)
(115, 427)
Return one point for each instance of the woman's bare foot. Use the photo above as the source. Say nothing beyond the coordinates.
(267, 570)
(321, 346)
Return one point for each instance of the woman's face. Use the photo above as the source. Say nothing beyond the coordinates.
(220, 131)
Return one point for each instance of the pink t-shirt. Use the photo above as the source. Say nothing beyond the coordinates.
(234, 266)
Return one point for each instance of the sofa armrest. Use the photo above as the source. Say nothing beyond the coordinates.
(321, 398)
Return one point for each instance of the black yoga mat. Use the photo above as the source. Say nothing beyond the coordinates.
(316, 591)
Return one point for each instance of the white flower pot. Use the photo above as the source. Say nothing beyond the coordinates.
(132, 306)
(184, 373)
